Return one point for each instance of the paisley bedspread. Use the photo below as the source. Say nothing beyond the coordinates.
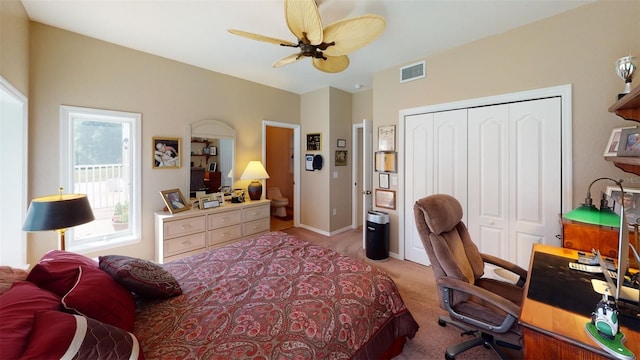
(275, 296)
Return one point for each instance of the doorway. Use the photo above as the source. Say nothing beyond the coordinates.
(281, 154)
(362, 160)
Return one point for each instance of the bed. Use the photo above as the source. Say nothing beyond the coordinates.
(274, 296)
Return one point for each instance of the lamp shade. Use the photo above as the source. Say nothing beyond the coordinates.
(56, 212)
(589, 214)
(254, 172)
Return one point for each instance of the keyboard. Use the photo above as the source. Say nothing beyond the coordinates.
(595, 269)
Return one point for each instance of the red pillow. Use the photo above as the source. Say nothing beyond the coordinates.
(98, 296)
(18, 306)
(57, 270)
(56, 334)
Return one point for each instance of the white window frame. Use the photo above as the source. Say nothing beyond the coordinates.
(67, 115)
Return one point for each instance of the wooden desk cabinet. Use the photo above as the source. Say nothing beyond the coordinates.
(192, 231)
(584, 237)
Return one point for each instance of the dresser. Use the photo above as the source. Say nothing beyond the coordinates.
(192, 231)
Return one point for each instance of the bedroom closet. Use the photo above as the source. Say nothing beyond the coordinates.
(502, 161)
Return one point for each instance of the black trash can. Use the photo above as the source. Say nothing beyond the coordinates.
(377, 243)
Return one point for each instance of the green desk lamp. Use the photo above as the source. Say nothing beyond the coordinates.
(589, 214)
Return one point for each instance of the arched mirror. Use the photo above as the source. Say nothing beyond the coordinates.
(211, 156)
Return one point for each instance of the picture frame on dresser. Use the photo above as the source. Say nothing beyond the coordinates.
(629, 142)
(631, 203)
(614, 142)
(174, 200)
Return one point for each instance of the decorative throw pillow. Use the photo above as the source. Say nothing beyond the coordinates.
(142, 277)
(57, 270)
(96, 295)
(9, 275)
(58, 335)
(17, 308)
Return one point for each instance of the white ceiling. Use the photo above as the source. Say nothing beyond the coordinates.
(194, 32)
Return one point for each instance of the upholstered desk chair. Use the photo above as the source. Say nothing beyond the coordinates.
(483, 307)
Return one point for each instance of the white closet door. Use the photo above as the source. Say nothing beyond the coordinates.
(515, 177)
(435, 162)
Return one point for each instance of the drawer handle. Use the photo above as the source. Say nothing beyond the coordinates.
(186, 243)
(186, 226)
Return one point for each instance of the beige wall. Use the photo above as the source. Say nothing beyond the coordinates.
(340, 188)
(14, 45)
(71, 69)
(578, 47)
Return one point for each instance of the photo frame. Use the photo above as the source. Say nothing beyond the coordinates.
(631, 202)
(383, 180)
(342, 143)
(386, 199)
(213, 166)
(314, 142)
(629, 142)
(174, 200)
(166, 153)
(209, 202)
(341, 157)
(387, 138)
(385, 161)
(614, 142)
(213, 150)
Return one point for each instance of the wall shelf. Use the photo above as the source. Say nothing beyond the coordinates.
(628, 108)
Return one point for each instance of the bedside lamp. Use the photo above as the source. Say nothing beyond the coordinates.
(58, 212)
(588, 213)
(254, 172)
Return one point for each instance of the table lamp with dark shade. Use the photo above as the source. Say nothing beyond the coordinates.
(58, 212)
(254, 172)
(589, 214)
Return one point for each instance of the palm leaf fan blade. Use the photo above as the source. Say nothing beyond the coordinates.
(261, 37)
(303, 20)
(287, 60)
(333, 64)
(351, 34)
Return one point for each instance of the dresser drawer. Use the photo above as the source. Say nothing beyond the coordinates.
(183, 227)
(228, 218)
(255, 227)
(222, 235)
(255, 213)
(184, 244)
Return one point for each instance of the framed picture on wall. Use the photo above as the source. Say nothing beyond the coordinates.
(385, 161)
(383, 180)
(341, 158)
(314, 141)
(386, 199)
(166, 153)
(342, 143)
(387, 138)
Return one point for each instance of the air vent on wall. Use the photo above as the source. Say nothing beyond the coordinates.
(412, 72)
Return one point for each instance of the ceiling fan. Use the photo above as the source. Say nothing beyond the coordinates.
(328, 47)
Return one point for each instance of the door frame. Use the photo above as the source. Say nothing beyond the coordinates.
(562, 91)
(358, 197)
(296, 161)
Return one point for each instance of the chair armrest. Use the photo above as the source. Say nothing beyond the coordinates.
(522, 273)
(486, 295)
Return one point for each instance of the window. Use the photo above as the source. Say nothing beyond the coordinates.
(100, 157)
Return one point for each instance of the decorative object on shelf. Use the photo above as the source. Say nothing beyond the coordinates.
(629, 142)
(166, 153)
(385, 161)
(255, 172)
(314, 142)
(383, 180)
(386, 199)
(213, 150)
(387, 138)
(209, 202)
(614, 142)
(625, 68)
(58, 212)
(213, 166)
(174, 200)
(341, 158)
(631, 203)
(342, 143)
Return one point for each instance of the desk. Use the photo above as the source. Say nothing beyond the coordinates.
(551, 332)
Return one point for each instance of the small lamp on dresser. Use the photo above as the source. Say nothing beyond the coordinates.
(255, 172)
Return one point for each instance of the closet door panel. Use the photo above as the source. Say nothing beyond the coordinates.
(450, 151)
(488, 205)
(536, 175)
(418, 179)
